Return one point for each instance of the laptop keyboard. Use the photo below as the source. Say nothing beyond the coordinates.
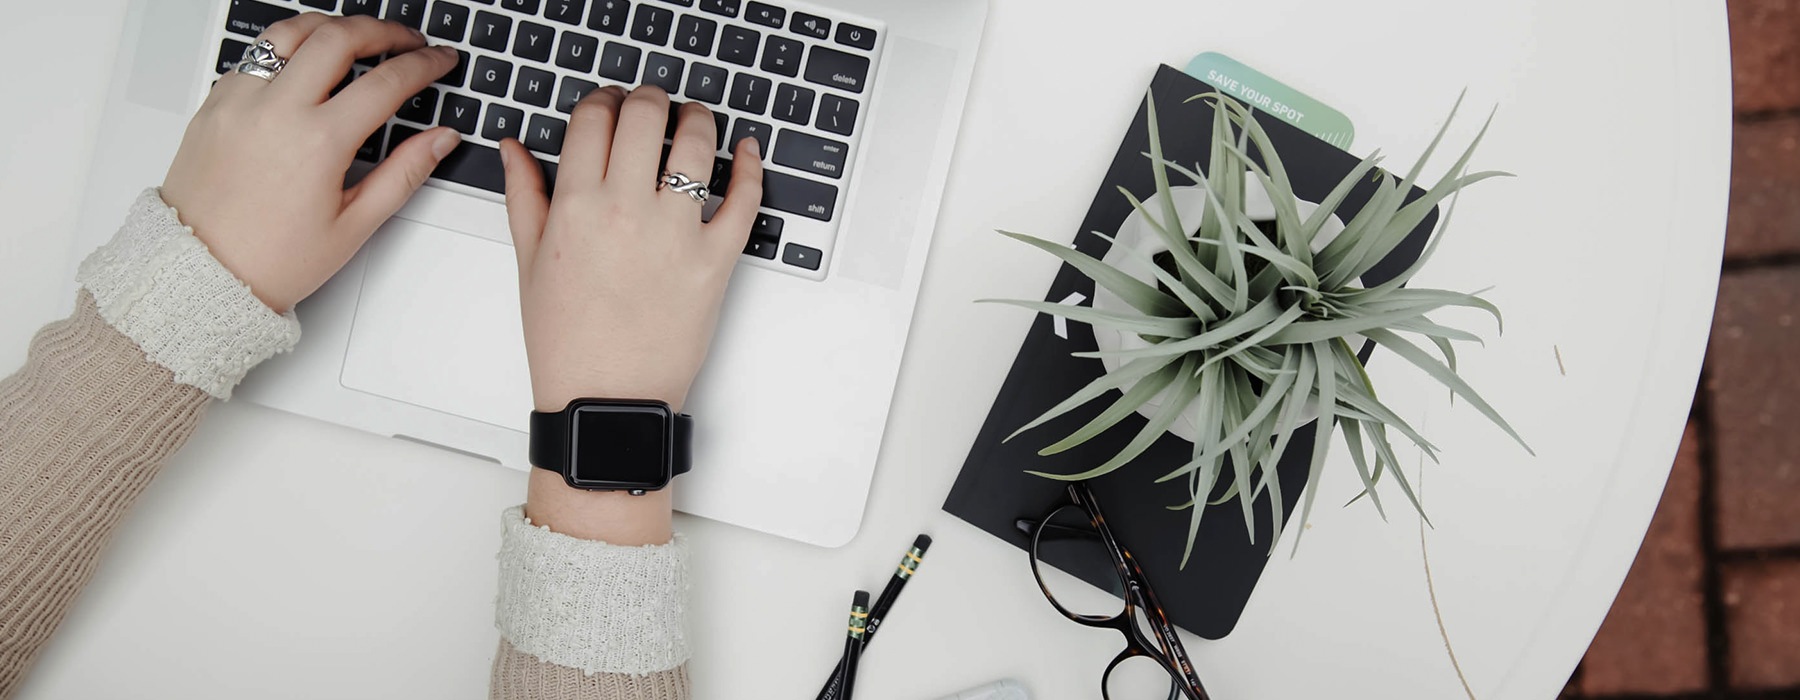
(794, 79)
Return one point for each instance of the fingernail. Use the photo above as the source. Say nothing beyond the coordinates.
(755, 147)
(444, 143)
(416, 33)
(505, 157)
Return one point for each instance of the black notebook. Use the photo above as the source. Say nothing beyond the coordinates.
(993, 491)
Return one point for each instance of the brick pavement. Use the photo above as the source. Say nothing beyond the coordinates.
(1711, 608)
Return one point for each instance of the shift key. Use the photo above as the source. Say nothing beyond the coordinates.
(794, 195)
(811, 153)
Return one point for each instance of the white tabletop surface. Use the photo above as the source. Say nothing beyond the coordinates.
(280, 557)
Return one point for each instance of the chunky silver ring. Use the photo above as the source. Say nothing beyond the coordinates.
(682, 183)
(261, 61)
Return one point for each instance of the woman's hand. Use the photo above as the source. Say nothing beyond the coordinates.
(620, 282)
(260, 174)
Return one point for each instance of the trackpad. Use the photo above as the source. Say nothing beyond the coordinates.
(437, 325)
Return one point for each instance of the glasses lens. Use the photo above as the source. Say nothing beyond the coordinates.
(1141, 678)
(1075, 568)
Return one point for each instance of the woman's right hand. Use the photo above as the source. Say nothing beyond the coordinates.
(620, 282)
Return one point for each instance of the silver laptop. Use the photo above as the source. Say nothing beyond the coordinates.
(856, 102)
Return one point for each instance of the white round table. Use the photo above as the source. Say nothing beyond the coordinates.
(284, 558)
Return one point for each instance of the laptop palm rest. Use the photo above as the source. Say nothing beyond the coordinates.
(437, 325)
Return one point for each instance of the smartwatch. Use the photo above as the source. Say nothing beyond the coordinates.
(613, 444)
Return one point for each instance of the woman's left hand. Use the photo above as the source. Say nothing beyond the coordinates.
(260, 173)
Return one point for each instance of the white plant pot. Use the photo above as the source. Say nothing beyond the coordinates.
(1134, 244)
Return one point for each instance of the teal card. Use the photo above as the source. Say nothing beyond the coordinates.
(1270, 96)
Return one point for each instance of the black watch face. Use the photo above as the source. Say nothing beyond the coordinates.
(621, 446)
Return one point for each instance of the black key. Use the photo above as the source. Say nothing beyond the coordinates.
(761, 247)
(620, 62)
(455, 77)
(792, 104)
(766, 226)
(810, 25)
(721, 175)
(766, 15)
(837, 114)
(491, 31)
(738, 45)
(719, 120)
(545, 134)
(729, 8)
(801, 256)
(565, 11)
(609, 16)
(706, 83)
(811, 153)
(472, 164)
(397, 134)
(529, 7)
(448, 21)
(750, 93)
(533, 41)
(419, 108)
(782, 56)
(408, 12)
(751, 129)
(571, 92)
(859, 37)
(672, 122)
(460, 112)
(695, 35)
(502, 122)
(837, 69)
(683, 3)
(533, 86)
(230, 52)
(361, 7)
(663, 71)
(577, 51)
(250, 18)
(370, 150)
(652, 25)
(549, 176)
(784, 192)
(492, 76)
(326, 5)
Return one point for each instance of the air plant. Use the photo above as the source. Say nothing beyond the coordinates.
(1253, 332)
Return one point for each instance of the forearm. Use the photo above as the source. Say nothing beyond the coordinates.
(84, 427)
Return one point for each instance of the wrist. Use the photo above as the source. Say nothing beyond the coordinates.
(607, 516)
(553, 398)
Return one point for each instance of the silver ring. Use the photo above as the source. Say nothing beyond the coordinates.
(261, 61)
(680, 182)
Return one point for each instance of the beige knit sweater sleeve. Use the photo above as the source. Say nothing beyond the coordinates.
(109, 394)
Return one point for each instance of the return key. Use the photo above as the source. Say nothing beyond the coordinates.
(811, 153)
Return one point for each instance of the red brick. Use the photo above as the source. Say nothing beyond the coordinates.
(1765, 188)
(1762, 612)
(1765, 57)
(1753, 366)
(1654, 639)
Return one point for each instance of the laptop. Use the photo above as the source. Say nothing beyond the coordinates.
(856, 103)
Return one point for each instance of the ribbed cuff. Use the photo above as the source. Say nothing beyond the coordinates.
(159, 286)
(593, 606)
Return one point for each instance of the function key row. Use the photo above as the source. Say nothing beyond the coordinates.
(610, 15)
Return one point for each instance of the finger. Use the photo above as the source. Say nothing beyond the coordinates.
(692, 153)
(323, 59)
(286, 36)
(730, 225)
(368, 101)
(589, 143)
(527, 205)
(387, 187)
(637, 142)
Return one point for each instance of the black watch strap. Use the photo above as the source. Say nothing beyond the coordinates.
(550, 442)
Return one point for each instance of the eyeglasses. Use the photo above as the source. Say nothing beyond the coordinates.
(1076, 539)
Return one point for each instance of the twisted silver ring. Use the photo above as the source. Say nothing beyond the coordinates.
(261, 61)
(682, 183)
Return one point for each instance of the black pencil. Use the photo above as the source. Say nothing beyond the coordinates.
(853, 643)
(909, 565)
